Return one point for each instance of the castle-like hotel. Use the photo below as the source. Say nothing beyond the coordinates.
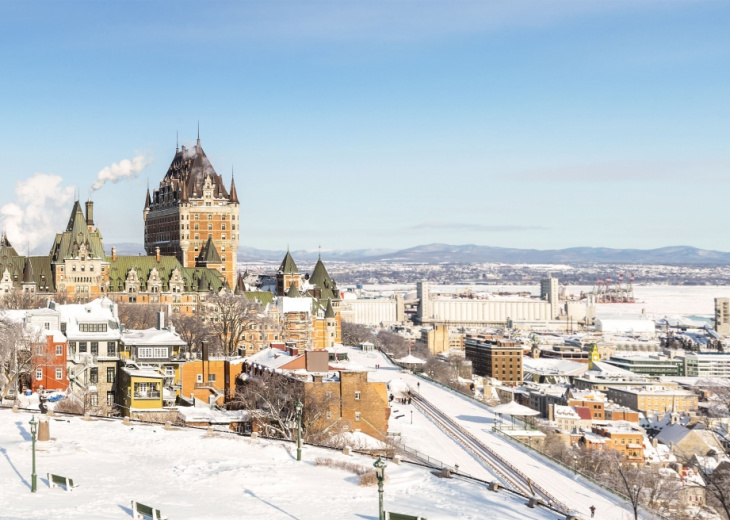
(191, 236)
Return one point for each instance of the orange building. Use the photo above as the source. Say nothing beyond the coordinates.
(624, 437)
(192, 216)
(212, 379)
(49, 363)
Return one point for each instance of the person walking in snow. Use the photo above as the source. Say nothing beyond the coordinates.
(593, 511)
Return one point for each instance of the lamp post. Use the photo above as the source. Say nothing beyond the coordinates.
(411, 416)
(33, 476)
(380, 474)
(575, 464)
(298, 408)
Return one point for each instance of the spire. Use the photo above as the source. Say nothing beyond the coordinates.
(330, 311)
(27, 271)
(198, 133)
(233, 197)
(148, 199)
(177, 142)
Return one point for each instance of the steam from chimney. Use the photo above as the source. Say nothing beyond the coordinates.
(124, 169)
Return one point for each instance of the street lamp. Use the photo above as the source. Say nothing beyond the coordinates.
(33, 476)
(575, 464)
(298, 408)
(411, 416)
(380, 474)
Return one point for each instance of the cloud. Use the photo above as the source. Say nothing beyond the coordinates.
(32, 221)
(124, 169)
(456, 226)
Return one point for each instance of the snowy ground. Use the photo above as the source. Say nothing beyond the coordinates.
(188, 474)
(426, 437)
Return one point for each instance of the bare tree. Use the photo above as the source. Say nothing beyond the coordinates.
(354, 333)
(139, 316)
(228, 317)
(270, 399)
(16, 299)
(717, 482)
(192, 329)
(21, 353)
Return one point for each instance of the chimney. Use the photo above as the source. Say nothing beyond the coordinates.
(114, 254)
(90, 214)
(157, 253)
(160, 320)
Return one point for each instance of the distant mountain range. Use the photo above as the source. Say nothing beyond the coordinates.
(469, 253)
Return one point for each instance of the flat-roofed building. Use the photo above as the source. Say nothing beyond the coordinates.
(654, 399)
(706, 364)
(649, 365)
(497, 358)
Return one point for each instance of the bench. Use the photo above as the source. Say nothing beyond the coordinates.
(58, 480)
(401, 516)
(142, 511)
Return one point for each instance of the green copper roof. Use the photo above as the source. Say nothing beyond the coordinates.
(193, 277)
(209, 254)
(262, 297)
(288, 266)
(320, 277)
(330, 312)
(293, 292)
(77, 234)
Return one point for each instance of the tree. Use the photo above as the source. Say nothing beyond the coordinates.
(139, 316)
(354, 333)
(270, 399)
(228, 317)
(22, 351)
(717, 482)
(192, 328)
(16, 299)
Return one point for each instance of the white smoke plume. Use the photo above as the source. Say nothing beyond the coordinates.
(124, 169)
(34, 219)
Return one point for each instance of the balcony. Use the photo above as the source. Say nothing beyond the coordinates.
(147, 395)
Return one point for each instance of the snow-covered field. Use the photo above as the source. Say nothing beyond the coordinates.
(188, 474)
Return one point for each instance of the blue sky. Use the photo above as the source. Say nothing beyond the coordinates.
(378, 124)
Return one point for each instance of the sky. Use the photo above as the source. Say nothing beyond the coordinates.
(367, 125)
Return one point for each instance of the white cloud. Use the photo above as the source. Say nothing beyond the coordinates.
(33, 221)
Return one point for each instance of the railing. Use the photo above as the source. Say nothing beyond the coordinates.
(208, 386)
(147, 395)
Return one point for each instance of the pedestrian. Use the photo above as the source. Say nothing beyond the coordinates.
(390, 398)
(593, 511)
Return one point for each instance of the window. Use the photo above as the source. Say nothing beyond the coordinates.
(169, 372)
(199, 377)
(110, 398)
(210, 217)
(38, 374)
(111, 348)
(357, 416)
(357, 396)
(94, 399)
(95, 348)
(196, 216)
(59, 374)
(59, 350)
(82, 346)
(94, 375)
(211, 378)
